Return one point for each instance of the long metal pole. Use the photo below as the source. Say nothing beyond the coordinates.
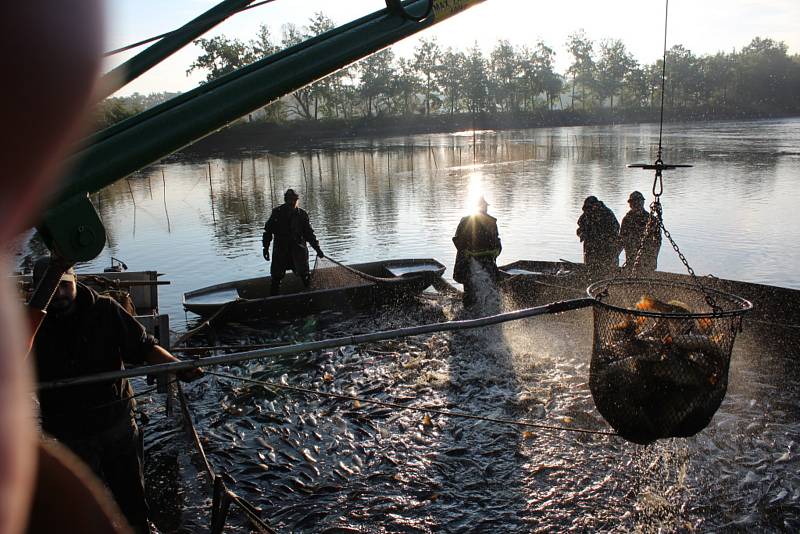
(227, 359)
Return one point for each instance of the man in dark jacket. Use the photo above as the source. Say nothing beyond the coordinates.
(84, 333)
(632, 235)
(598, 229)
(478, 244)
(292, 230)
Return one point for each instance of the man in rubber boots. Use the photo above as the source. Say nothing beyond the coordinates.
(477, 240)
(598, 229)
(85, 333)
(292, 230)
(632, 235)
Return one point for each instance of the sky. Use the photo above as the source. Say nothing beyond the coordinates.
(702, 26)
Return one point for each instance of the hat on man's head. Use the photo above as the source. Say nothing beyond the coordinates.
(290, 194)
(590, 201)
(636, 196)
(40, 267)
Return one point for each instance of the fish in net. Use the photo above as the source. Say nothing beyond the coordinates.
(660, 358)
(328, 274)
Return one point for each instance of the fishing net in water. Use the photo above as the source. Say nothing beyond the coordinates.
(328, 274)
(661, 355)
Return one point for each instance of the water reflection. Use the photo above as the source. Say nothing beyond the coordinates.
(732, 213)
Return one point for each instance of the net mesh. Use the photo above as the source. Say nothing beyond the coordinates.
(660, 356)
(329, 275)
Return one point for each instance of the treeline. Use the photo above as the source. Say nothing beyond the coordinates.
(603, 77)
(115, 109)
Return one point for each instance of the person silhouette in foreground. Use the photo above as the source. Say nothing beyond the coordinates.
(632, 235)
(291, 229)
(598, 229)
(85, 333)
(478, 245)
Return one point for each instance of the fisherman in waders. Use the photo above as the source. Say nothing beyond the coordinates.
(85, 333)
(292, 230)
(598, 230)
(478, 244)
(632, 235)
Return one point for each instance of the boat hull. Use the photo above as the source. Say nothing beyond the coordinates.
(385, 282)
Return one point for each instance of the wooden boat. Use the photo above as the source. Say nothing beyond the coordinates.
(376, 283)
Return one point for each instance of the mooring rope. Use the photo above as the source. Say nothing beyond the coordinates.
(423, 409)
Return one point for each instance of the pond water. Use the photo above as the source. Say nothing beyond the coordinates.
(733, 213)
(317, 464)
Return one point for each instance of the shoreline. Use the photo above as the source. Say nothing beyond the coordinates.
(246, 136)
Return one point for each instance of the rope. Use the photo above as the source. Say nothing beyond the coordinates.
(663, 77)
(423, 409)
(197, 23)
(375, 279)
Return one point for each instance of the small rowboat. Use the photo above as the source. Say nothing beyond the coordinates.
(365, 285)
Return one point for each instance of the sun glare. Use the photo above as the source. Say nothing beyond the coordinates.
(474, 192)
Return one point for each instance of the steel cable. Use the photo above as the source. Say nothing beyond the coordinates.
(197, 23)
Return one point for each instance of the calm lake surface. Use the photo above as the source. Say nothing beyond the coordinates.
(734, 213)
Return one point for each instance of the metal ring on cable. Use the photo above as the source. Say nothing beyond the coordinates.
(396, 6)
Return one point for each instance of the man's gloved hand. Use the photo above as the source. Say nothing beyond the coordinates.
(266, 254)
(319, 253)
(190, 375)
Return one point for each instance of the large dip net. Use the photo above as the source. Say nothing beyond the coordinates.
(329, 274)
(661, 354)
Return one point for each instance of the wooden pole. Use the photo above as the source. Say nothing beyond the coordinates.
(164, 182)
(211, 187)
(365, 172)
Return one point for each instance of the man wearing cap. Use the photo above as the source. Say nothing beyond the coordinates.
(477, 244)
(598, 229)
(85, 333)
(292, 231)
(632, 232)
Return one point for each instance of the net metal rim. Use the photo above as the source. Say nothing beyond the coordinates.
(738, 305)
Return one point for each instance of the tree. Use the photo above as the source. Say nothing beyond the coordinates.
(426, 62)
(717, 78)
(450, 77)
(476, 81)
(552, 84)
(264, 46)
(221, 56)
(582, 68)
(504, 69)
(767, 75)
(613, 67)
(407, 86)
(637, 89)
(376, 80)
(683, 77)
(537, 75)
